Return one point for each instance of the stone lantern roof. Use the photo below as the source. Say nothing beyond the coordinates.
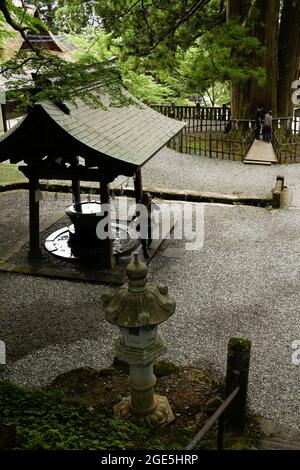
(137, 303)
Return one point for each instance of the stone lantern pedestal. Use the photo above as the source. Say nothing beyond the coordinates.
(137, 308)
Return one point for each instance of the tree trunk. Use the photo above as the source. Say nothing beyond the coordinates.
(288, 56)
(247, 95)
(237, 10)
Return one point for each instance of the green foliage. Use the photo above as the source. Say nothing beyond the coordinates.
(81, 80)
(23, 18)
(46, 420)
(74, 15)
(286, 136)
(140, 82)
(74, 79)
(221, 55)
(155, 27)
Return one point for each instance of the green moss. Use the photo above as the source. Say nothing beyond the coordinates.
(247, 441)
(239, 343)
(10, 174)
(164, 368)
(120, 365)
(160, 368)
(45, 419)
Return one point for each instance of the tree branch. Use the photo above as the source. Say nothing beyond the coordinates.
(123, 14)
(146, 19)
(193, 9)
(20, 65)
(159, 7)
(249, 13)
(14, 25)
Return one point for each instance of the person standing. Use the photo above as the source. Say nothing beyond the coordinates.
(268, 127)
(258, 121)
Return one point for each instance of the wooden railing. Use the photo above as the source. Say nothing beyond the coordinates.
(198, 118)
(231, 414)
(215, 145)
(286, 143)
(205, 118)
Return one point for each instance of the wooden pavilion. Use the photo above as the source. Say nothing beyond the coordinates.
(111, 142)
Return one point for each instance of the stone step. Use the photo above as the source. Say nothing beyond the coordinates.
(257, 162)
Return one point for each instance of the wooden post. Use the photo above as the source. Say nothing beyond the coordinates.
(76, 190)
(34, 218)
(76, 184)
(238, 360)
(277, 190)
(107, 258)
(3, 124)
(138, 186)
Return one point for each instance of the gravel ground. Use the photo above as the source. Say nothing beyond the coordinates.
(177, 171)
(173, 170)
(243, 282)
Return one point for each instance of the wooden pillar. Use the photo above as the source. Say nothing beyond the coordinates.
(34, 218)
(107, 258)
(76, 184)
(3, 123)
(76, 190)
(104, 192)
(138, 186)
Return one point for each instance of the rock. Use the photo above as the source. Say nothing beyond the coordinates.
(213, 404)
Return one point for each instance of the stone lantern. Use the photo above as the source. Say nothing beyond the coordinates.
(137, 309)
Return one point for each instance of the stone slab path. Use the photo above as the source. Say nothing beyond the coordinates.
(261, 153)
(291, 199)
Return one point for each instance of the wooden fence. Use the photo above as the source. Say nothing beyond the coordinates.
(231, 414)
(198, 118)
(214, 145)
(286, 139)
(206, 119)
(287, 152)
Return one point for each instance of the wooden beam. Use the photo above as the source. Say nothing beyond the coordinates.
(77, 173)
(76, 190)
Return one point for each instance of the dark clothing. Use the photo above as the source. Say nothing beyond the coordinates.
(267, 133)
(258, 122)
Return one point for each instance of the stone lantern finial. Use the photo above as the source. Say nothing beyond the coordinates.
(137, 274)
(137, 308)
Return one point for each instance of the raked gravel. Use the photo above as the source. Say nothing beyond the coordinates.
(244, 281)
(173, 170)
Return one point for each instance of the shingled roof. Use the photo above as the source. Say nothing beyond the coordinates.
(122, 139)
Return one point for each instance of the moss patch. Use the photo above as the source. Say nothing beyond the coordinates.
(75, 412)
(10, 174)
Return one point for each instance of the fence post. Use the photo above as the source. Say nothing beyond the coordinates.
(210, 145)
(238, 360)
(180, 142)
